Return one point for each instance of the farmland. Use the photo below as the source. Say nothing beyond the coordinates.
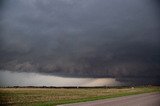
(55, 96)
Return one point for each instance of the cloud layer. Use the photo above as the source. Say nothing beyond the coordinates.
(81, 38)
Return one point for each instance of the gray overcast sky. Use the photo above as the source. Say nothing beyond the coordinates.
(81, 38)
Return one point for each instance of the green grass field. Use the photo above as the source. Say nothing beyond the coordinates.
(54, 96)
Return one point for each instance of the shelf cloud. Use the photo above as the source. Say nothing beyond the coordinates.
(82, 38)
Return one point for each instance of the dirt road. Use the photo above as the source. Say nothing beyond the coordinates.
(149, 99)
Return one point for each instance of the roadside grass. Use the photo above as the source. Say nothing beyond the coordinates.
(54, 96)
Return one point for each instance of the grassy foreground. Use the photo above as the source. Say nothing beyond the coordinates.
(55, 96)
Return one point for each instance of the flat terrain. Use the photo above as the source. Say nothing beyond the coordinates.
(56, 96)
(149, 99)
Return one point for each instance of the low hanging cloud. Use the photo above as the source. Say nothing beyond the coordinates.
(81, 38)
(8, 78)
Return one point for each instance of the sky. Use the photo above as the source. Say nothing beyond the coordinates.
(80, 39)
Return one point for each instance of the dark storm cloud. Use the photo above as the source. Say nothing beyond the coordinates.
(81, 38)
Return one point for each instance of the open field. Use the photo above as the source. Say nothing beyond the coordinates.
(54, 96)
